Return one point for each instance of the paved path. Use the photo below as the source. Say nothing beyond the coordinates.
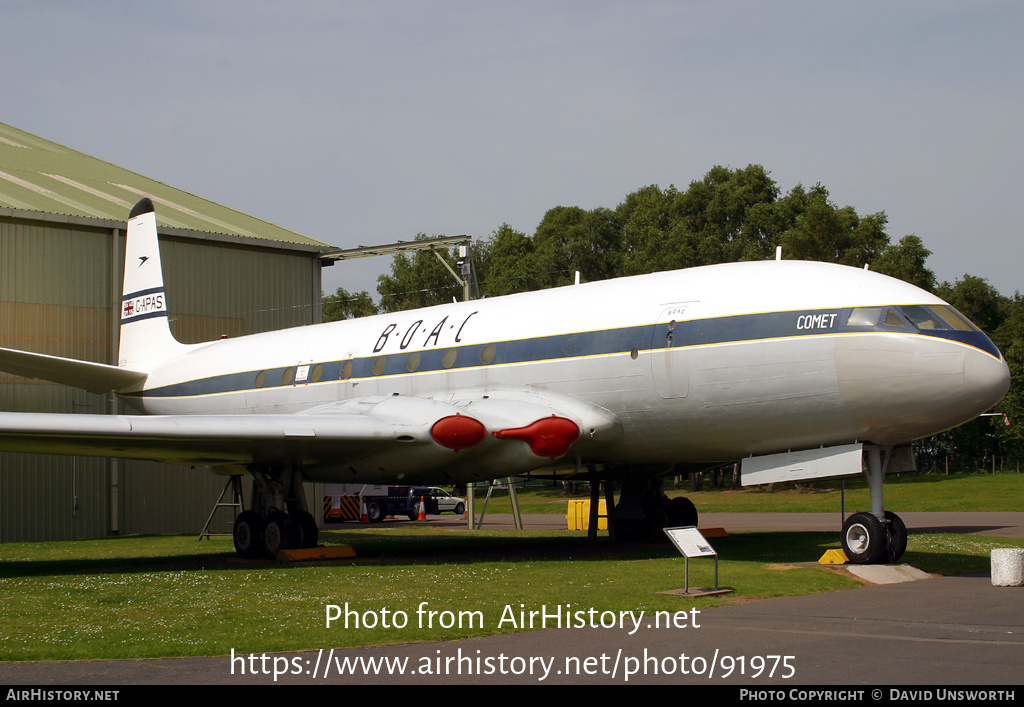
(1005, 524)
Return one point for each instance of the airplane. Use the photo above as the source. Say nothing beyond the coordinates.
(802, 370)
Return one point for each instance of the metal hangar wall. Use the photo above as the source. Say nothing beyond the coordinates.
(62, 221)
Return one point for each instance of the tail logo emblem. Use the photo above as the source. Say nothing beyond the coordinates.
(143, 259)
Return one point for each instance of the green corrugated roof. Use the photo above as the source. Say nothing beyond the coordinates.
(39, 175)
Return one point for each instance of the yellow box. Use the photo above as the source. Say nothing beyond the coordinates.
(577, 516)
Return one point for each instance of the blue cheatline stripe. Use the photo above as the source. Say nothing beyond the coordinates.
(140, 317)
(141, 293)
(647, 337)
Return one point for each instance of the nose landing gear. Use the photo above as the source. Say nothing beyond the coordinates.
(879, 536)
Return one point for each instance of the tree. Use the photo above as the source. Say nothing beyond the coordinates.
(822, 231)
(1009, 430)
(976, 299)
(510, 265)
(906, 262)
(342, 305)
(708, 223)
(1009, 336)
(715, 211)
(569, 238)
(419, 280)
(646, 218)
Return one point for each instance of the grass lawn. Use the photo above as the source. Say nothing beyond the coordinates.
(156, 596)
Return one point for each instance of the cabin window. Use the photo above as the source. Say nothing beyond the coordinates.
(413, 362)
(449, 358)
(379, 365)
(317, 373)
(346, 370)
(288, 376)
(487, 354)
(261, 379)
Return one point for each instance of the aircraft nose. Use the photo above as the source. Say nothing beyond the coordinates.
(986, 379)
(900, 389)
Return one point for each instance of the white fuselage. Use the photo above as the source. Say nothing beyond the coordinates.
(700, 365)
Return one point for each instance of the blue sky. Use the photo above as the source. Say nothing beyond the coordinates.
(365, 123)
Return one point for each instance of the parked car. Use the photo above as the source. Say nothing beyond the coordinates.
(447, 502)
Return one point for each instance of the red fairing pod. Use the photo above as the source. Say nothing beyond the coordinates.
(547, 437)
(458, 431)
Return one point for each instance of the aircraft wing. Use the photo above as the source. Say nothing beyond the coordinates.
(380, 436)
(94, 377)
(192, 439)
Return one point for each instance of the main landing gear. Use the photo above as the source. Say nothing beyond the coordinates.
(643, 511)
(278, 518)
(878, 537)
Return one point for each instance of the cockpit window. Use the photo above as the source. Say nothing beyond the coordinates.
(864, 316)
(941, 317)
(892, 318)
(923, 318)
(954, 318)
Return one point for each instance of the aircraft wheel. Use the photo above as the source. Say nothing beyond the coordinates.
(278, 534)
(628, 530)
(248, 534)
(864, 539)
(460, 508)
(657, 520)
(681, 512)
(374, 511)
(306, 534)
(897, 537)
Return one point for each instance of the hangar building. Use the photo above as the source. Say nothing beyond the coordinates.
(62, 225)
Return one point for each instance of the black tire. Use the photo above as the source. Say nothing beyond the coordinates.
(248, 535)
(460, 508)
(414, 514)
(682, 512)
(278, 534)
(865, 539)
(898, 536)
(305, 532)
(629, 530)
(374, 511)
(657, 521)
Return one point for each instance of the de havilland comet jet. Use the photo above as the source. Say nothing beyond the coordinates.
(799, 369)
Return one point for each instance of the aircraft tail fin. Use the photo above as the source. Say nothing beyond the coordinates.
(145, 334)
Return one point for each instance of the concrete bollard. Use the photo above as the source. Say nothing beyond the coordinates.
(1008, 567)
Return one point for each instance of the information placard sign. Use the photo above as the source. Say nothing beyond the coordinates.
(690, 542)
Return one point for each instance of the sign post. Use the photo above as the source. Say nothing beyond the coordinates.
(690, 543)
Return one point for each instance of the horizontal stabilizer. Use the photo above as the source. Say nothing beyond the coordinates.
(94, 377)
